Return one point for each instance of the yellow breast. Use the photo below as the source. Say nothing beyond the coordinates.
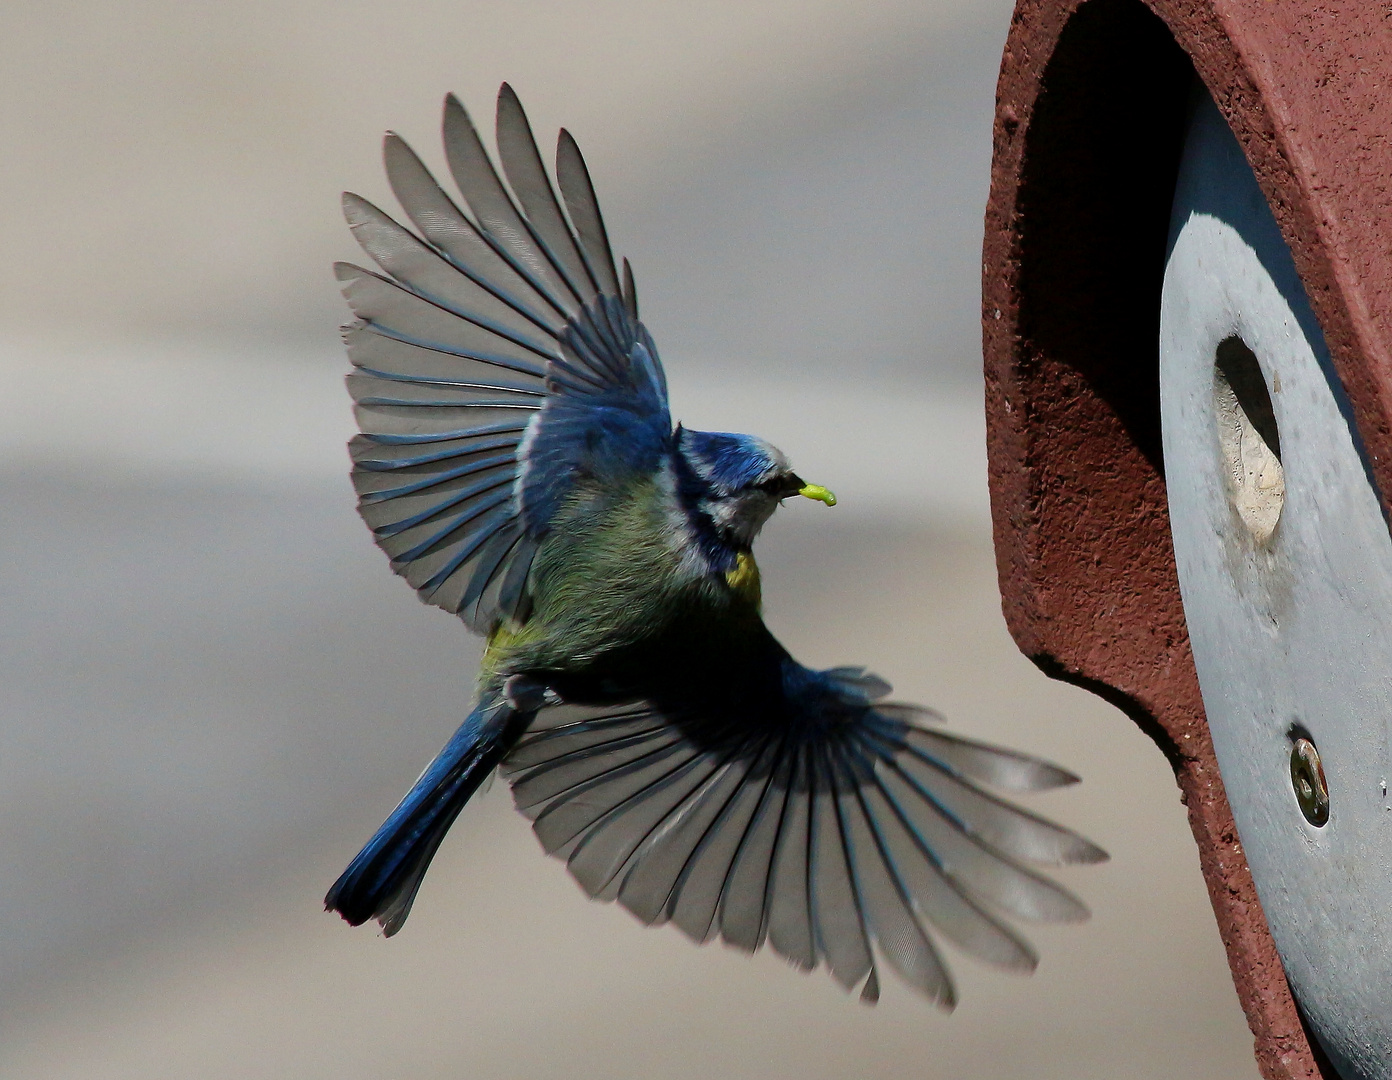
(743, 579)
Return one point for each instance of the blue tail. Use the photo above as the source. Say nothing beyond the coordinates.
(381, 882)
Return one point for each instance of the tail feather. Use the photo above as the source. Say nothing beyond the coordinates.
(382, 881)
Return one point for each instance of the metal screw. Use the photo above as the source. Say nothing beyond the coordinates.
(1307, 778)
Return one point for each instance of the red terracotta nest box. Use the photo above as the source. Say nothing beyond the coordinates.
(1187, 315)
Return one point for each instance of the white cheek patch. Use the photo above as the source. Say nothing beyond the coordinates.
(741, 516)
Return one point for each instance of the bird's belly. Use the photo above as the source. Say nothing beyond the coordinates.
(686, 656)
(604, 590)
(618, 592)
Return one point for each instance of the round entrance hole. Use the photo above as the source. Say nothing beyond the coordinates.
(1248, 438)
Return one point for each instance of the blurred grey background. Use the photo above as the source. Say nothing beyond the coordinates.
(214, 689)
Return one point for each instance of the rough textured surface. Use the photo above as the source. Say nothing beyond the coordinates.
(1089, 107)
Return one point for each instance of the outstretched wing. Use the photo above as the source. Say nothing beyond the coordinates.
(842, 829)
(497, 358)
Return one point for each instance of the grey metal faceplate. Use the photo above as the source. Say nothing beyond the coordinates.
(1291, 631)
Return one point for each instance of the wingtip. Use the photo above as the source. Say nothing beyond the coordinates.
(1045, 776)
(630, 290)
(354, 208)
(508, 104)
(454, 111)
(392, 144)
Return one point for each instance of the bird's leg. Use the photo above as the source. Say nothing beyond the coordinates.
(525, 695)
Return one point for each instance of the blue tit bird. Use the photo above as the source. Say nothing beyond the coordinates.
(519, 466)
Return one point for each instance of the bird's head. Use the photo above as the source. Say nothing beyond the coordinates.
(740, 480)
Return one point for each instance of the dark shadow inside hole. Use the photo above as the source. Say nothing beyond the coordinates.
(1238, 367)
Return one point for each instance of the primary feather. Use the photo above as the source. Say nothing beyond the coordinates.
(519, 466)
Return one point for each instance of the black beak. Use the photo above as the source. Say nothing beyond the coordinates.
(783, 487)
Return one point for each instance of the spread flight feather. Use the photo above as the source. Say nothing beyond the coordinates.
(519, 466)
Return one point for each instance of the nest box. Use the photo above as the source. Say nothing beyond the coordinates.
(1187, 312)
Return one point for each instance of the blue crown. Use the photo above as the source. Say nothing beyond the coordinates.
(728, 461)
